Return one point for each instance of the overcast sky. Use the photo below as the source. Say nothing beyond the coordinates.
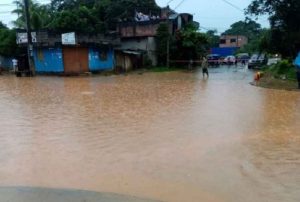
(211, 14)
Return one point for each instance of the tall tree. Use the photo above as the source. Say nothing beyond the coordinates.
(248, 28)
(8, 46)
(213, 38)
(284, 19)
(162, 38)
(191, 44)
(40, 15)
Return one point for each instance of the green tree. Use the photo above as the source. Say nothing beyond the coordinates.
(162, 38)
(106, 13)
(191, 44)
(284, 20)
(213, 38)
(40, 15)
(248, 28)
(8, 46)
(79, 20)
(258, 44)
(2, 25)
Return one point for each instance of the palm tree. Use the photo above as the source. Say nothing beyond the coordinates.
(39, 14)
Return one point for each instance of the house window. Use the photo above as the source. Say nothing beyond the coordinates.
(223, 41)
(232, 40)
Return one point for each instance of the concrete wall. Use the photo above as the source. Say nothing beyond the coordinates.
(138, 29)
(233, 41)
(48, 60)
(96, 63)
(146, 44)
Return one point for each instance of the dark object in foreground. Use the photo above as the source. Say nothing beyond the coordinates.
(23, 67)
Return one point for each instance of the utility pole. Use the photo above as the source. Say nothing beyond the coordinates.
(168, 51)
(29, 38)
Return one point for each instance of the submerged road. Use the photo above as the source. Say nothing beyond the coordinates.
(153, 137)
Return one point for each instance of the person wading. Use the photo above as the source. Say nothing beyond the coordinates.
(204, 66)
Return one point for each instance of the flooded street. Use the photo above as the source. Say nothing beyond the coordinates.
(159, 136)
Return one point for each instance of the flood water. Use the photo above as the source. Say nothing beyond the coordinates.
(161, 136)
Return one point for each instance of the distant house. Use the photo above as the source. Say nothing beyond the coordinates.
(233, 41)
(138, 37)
(82, 53)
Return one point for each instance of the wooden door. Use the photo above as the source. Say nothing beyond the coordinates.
(76, 60)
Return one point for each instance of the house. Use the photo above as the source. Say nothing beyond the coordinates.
(138, 36)
(233, 41)
(70, 53)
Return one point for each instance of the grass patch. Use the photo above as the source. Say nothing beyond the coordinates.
(283, 69)
(279, 76)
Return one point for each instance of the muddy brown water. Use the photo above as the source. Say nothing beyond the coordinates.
(166, 136)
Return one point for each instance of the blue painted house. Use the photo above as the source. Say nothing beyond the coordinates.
(90, 53)
(60, 60)
(101, 59)
(48, 60)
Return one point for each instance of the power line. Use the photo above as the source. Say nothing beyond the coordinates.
(169, 2)
(234, 6)
(179, 4)
(6, 4)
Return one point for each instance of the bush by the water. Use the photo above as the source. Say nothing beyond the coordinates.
(283, 69)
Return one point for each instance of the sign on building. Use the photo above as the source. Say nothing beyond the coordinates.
(22, 38)
(68, 38)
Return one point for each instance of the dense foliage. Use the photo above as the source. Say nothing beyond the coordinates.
(284, 36)
(190, 44)
(8, 45)
(163, 39)
(213, 38)
(85, 16)
(187, 44)
(248, 28)
(283, 69)
(252, 30)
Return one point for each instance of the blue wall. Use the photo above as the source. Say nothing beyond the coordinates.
(48, 60)
(224, 51)
(6, 62)
(95, 61)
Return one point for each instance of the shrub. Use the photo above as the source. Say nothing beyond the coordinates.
(283, 68)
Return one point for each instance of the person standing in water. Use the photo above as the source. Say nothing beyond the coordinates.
(204, 66)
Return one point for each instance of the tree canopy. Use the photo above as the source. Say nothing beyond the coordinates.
(85, 16)
(8, 46)
(213, 38)
(284, 19)
(248, 28)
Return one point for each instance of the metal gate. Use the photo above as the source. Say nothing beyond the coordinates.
(76, 60)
